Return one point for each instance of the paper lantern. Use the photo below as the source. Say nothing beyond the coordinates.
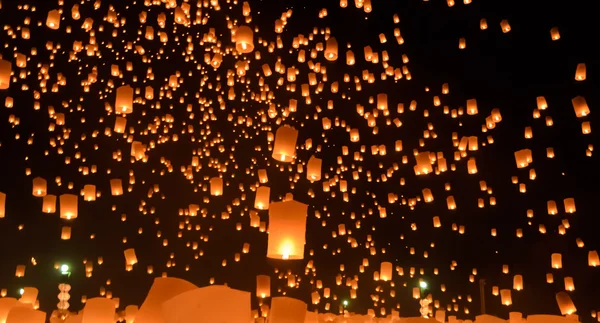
(116, 187)
(569, 205)
(25, 314)
(216, 186)
(138, 150)
(552, 208)
(287, 310)
(48, 203)
(569, 284)
(5, 71)
(423, 165)
(556, 261)
(314, 166)
(554, 33)
(130, 313)
(262, 176)
(130, 257)
(89, 193)
(565, 304)
(331, 49)
(120, 124)
(68, 206)
(263, 286)
(53, 19)
(483, 24)
(505, 297)
(163, 289)
(580, 73)
(354, 135)
(65, 233)
(39, 187)
(287, 230)
(244, 40)
(505, 26)
(593, 259)
(6, 304)
(2, 205)
(98, 310)
(518, 282)
(386, 271)
(416, 292)
(472, 107)
(263, 198)
(124, 100)
(284, 149)
(580, 106)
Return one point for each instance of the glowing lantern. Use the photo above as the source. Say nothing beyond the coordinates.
(244, 40)
(216, 186)
(462, 43)
(569, 284)
(518, 282)
(263, 286)
(39, 187)
(505, 297)
(586, 127)
(523, 158)
(554, 33)
(427, 195)
(287, 310)
(386, 271)
(472, 107)
(48, 204)
(580, 106)
(98, 309)
(89, 193)
(556, 261)
(29, 295)
(552, 208)
(569, 205)
(580, 73)
(130, 257)
(120, 124)
(593, 260)
(416, 292)
(284, 149)
(505, 26)
(65, 233)
(68, 206)
(116, 187)
(5, 71)
(130, 313)
(53, 19)
(331, 49)
(124, 100)
(287, 230)
(263, 196)
(314, 169)
(565, 304)
(25, 314)
(423, 165)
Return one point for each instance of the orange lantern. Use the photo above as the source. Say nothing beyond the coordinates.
(284, 149)
(287, 230)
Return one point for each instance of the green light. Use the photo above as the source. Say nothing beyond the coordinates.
(423, 284)
(345, 302)
(21, 291)
(64, 269)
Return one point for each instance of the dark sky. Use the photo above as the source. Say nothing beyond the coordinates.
(506, 71)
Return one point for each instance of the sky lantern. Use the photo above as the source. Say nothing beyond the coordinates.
(593, 259)
(580, 74)
(48, 203)
(25, 314)
(386, 271)
(2, 205)
(505, 297)
(53, 19)
(216, 186)
(116, 187)
(556, 261)
(554, 33)
(263, 286)
(331, 49)
(244, 40)
(580, 106)
(5, 71)
(287, 230)
(130, 257)
(314, 166)
(68, 206)
(65, 233)
(98, 310)
(565, 304)
(124, 100)
(505, 26)
(284, 149)
(287, 310)
(263, 196)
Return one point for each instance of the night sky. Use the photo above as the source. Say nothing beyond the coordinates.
(506, 71)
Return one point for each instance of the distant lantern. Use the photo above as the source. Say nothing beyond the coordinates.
(423, 165)
(593, 259)
(263, 286)
(331, 49)
(382, 101)
(65, 233)
(216, 186)
(284, 149)
(263, 196)
(505, 297)
(518, 282)
(580, 106)
(580, 73)
(68, 206)
(483, 24)
(472, 107)
(505, 26)
(89, 193)
(556, 261)
(244, 39)
(565, 304)
(386, 271)
(39, 187)
(48, 204)
(116, 187)
(287, 230)
(120, 124)
(569, 205)
(569, 284)
(314, 169)
(5, 71)
(53, 19)
(554, 33)
(130, 257)
(523, 158)
(2, 205)
(124, 100)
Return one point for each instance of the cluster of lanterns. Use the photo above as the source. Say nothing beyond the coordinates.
(258, 129)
